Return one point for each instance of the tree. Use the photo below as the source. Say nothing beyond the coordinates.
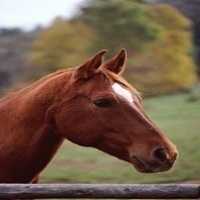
(191, 9)
(167, 65)
(63, 44)
(119, 23)
(158, 39)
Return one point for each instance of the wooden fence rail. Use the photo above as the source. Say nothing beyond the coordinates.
(103, 191)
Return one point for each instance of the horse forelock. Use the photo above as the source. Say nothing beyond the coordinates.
(114, 78)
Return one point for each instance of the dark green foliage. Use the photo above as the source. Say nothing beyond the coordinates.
(120, 23)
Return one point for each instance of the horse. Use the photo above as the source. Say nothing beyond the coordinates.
(91, 105)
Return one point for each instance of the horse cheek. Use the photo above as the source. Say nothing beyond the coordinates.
(77, 126)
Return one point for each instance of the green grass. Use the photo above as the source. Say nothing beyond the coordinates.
(176, 115)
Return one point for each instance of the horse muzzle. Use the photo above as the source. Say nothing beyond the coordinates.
(159, 161)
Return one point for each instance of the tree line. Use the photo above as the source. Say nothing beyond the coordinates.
(158, 38)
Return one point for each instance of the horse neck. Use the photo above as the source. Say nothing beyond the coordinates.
(23, 119)
(33, 102)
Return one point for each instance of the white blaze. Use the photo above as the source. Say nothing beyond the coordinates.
(121, 91)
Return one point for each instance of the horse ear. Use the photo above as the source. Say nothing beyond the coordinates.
(89, 68)
(117, 63)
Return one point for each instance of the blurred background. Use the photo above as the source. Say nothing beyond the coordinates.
(163, 42)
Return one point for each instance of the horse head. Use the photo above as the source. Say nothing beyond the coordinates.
(101, 109)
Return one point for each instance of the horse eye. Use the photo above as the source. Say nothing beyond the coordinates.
(103, 102)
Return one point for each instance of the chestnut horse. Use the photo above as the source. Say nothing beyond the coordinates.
(91, 105)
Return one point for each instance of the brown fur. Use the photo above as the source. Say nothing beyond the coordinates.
(35, 120)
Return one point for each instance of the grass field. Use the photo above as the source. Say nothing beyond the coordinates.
(174, 114)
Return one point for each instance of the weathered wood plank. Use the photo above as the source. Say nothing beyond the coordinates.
(114, 191)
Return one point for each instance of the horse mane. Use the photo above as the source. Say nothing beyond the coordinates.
(34, 84)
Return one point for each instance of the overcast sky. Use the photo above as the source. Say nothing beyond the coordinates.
(29, 13)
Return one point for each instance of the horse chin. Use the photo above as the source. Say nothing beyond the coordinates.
(140, 165)
(145, 167)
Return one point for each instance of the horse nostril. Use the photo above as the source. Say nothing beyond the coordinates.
(175, 155)
(160, 154)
